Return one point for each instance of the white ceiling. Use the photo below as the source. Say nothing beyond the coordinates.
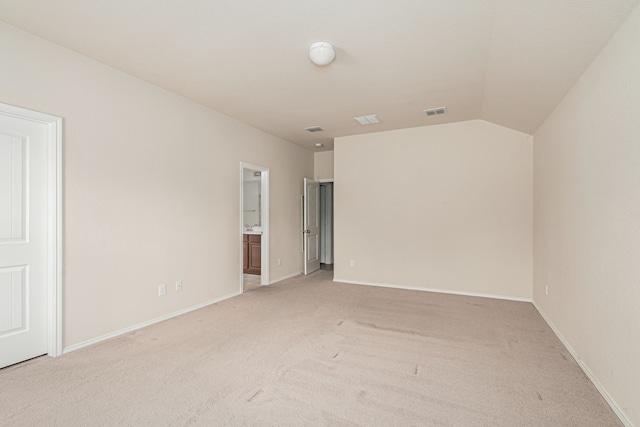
(506, 61)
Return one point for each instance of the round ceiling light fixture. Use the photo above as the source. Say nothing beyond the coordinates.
(322, 53)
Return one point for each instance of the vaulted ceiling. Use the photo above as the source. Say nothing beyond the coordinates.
(505, 61)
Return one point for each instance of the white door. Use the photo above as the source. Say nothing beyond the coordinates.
(23, 239)
(311, 226)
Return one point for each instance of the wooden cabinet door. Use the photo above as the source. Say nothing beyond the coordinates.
(255, 263)
(253, 254)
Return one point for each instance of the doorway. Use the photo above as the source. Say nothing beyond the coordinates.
(30, 235)
(317, 225)
(326, 225)
(254, 226)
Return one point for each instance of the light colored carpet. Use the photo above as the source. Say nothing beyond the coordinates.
(308, 351)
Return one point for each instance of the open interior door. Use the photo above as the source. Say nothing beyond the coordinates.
(311, 225)
(23, 239)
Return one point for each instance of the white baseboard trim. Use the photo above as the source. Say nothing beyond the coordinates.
(441, 291)
(612, 403)
(280, 279)
(144, 324)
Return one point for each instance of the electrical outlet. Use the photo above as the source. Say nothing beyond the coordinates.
(546, 290)
(279, 262)
(162, 290)
(179, 285)
(352, 263)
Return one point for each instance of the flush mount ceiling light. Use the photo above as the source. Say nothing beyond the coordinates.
(367, 120)
(322, 53)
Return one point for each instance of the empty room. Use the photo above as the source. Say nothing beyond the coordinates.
(369, 213)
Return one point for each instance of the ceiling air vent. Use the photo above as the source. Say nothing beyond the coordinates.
(314, 129)
(435, 111)
(367, 120)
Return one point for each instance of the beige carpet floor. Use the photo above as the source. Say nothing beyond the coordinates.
(308, 352)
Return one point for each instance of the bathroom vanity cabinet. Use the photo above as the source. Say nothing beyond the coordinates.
(252, 253)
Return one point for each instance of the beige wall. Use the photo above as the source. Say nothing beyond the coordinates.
(587, 218)
(151, 188)
(323, 165)
(443, 207)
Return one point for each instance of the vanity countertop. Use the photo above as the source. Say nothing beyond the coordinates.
(253, 232)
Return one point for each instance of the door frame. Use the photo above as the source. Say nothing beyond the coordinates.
(264, 220)
(54, 220)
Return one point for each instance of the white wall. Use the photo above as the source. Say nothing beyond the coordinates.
(151, 188)
(444, 207)
(587, 219)
(323, 165)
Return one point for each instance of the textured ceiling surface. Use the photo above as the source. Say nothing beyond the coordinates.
(505, 61)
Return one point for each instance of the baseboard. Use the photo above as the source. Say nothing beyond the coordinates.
(280, 279)
(440, 291)
(612, 403)
(144, 324)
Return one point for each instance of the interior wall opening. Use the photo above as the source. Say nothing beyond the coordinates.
(326, 226)
(254, 192)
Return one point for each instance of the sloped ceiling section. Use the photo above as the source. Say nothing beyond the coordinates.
(506, 61)
(538, 51)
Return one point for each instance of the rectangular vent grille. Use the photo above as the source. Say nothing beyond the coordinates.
(435, 111)
(314, 129)
(367, 120)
